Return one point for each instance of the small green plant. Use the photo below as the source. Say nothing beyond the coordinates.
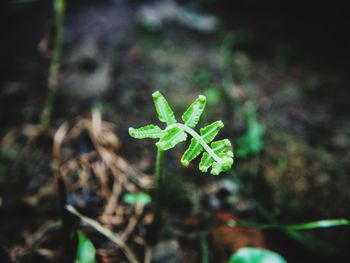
(217, 155)
(86, 251)
(252, 141)
(255, 255)
(203, 80)
(137, 198)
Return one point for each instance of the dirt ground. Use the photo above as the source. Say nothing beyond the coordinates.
(115, 55)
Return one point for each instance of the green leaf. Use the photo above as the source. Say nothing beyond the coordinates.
(137, 198)
(194, 111)
(208, 134)
(256, 255)
(149, 131)
(192, 152)
(252, 141)
(219, 148)
(226, 163)
(165, 113)
(210, 131)
(213, 95)
(174, 136)
(319, 224)
(86, 252)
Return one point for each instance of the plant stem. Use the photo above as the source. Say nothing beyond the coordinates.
(59, 6)
(159, 183)
(204, 246)
(327, 223)
(226, 63)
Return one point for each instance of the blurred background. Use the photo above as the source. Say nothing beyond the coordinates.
(275, 73)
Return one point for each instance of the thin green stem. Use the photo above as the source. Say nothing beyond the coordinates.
(327, 223)
(159, 183)
(59, 7)
(204, 246)
(199, 138)
(226, 62)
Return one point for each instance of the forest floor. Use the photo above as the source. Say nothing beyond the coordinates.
(286, 118)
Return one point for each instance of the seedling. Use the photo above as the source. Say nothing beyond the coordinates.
(139, 198)
(218, 155)
(252, 141)
(86, 251)
(255, 255)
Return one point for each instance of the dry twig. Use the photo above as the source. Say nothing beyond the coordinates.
(106, 232)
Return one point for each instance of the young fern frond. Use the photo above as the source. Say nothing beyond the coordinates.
(218, 155)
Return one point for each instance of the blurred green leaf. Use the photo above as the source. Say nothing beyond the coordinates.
(213, 95)
(295, 227)
(86, 252)
(319, 224)
(165, 113)
(137, 198)
(203, 80)
(256, 255)
(252, 141)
